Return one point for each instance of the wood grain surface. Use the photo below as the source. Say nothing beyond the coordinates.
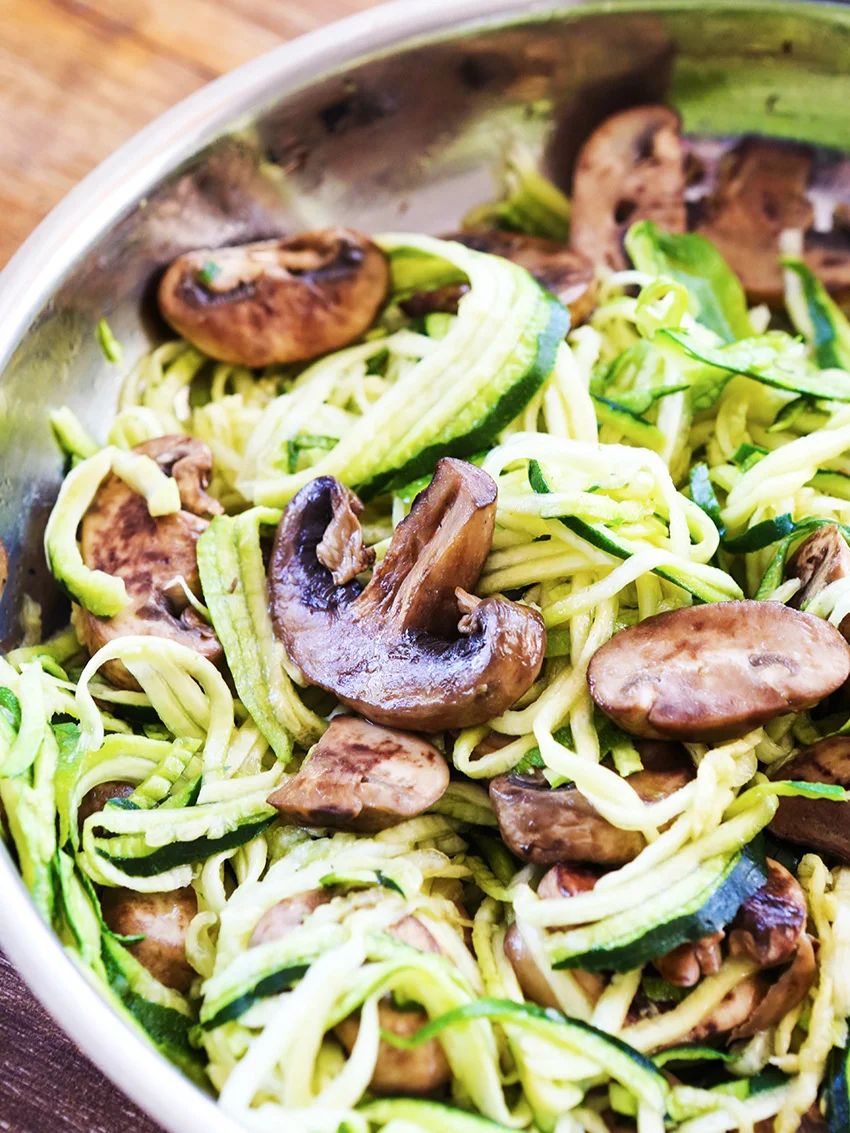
(78, 78)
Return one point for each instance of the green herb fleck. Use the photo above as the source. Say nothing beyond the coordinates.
(208, 273)
(112, 349)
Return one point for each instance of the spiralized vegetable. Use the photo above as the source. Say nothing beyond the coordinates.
(622, 486)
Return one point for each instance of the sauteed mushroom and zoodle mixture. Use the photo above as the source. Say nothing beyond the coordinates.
(452, 730)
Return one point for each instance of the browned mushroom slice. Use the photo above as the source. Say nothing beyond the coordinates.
(543, 825)
(769, 924)
(439, 300)
(784, 995)
(278, 921)
(689, 962)
(163, 919)
(828, 256)
(532, 982)
(761, 191)
(568, 274)
(416, 1071)
(419, 1071)
(95, 800)
(363, 778)
(631, 168)
(413, 649)
(120, 536)
(732, 1011)
(4, 567)
(714, 672)
(566, 880)
(818, 824)
(812, 1121)
(821, 559)
(277, 300)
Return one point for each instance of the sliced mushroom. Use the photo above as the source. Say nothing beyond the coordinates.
(731, 1012)
(631, 168)
(416, 1071)
(419, 1071)
(784, 995)
(818, 824)
(412, 649)
(532, 982)
(568, 274)
(769, 924)
(561, 880)
(163, 919)
(820, 560)
(278, 921)
(363, 778)
(278, 300)
(120, 536)
(812, 1121)
(543, 825)
(762, 189)
(4, 567)
(95, 800)
(760, 192)
(566, 880)
(714, 672)
(439, 300)
(767, 927)
(689, 962)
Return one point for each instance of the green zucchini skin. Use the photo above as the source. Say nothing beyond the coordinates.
(273, 984)
(483, 435)
(430, 1116)
(165, 858)
(838, 1091)
(167, 1029)
(604, 540)
(630, 1067)
(742, 877)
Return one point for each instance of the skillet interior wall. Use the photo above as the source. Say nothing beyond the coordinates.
(404, 141)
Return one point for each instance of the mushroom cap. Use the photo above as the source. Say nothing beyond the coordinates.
(419, 1071)
(568, 274)
(769, 924)
(818, 824)
(821, 559)
(733, 1011)
(686, 964)
(276, 301)
(545, 825)
(121, 537)
(363, 778)
(784, 995)
(278, 921)
(412, 649)
(94, 801)
(567, 880)
(631, 168)
(760, 192)
(715, 672)
(163, 919)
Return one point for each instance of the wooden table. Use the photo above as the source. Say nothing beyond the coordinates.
(77, 78)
